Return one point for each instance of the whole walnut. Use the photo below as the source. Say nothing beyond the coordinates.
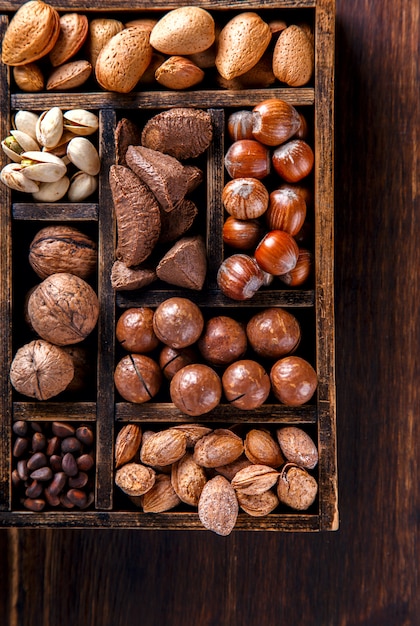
(63, 309)
(41, 370)
(62, 249)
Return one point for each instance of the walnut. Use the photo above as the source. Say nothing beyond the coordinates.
(41, 370)
(63, 309)
(62, 249)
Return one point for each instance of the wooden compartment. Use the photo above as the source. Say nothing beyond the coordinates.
(101, 405)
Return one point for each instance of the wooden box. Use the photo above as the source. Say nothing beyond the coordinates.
(101, 407)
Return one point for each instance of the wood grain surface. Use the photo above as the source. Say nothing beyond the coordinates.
(366, 574)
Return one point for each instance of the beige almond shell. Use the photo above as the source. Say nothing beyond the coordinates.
(188, 479)
(242, 43)
(230, 469)
(218, 506)
(296, 488)
(135, 479)
(218, 448)
(293, 57)
(73, 33)
(193, 432)
(261, 448)
(178, 72)
(69, 76)
(164, 447)
(297, 446)
(123, 60)
(161, 497)
(101, 30)
(186, 30)
(31, 34)
(255, 479)
(258, 505)
(127, 444)
(29, 77)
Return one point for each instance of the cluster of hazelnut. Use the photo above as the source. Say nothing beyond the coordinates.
(62, 311)
(216, 471)
(266, 228)
(176, 50)
(51, 155)
(192, 350)
(52, 465)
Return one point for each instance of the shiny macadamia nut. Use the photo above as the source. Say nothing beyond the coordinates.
(173, 359)
(135, 330)
(196, 389)
(223, 340)
(137, 378)
(178, 322)
(293, 380)
(246, 384)
(273, 333)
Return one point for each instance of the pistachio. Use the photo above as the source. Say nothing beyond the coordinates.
(83, 154)
(42, 166)
(11, 175)
(17, 143)
(26, 121)
(80, 122)
(60, 149)
(49, 127)
(51, 192)
(82, 186)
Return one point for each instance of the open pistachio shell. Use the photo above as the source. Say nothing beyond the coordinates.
(51, 192)
(17, 143)
(42, 166)
(49, 127)
(82, 186)
(11, 175)
(26, 121)
(83, 154)
(81, 122)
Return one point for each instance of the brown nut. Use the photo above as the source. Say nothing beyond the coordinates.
(255, 479)
(178, 322)
(246, 384)
(223, 340)
(245, 198)
(163, 448)
(178, 72)
(293, 57)
(135, 479)
(196, 389)
(262, 449)
(135, 331)
(293, 380)
(296, 487)
(273, 332)
(218, 506)
(297, 446)
(218, 448)
(171, 360)
(127, 443)
(258, 505)
(137, 378)
(161, 497)
(188, 479)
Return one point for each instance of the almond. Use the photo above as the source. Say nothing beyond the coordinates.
(161, 497)
(218, 448)
(127, 443)
(193, 432)
(242, 43)
(229, 470)
(73, 32)
(218, 506)
(29, 77)
(135, 479)
(258, 505)
(101, 31)
(123, 60)
(69, 76)
(297, 446)
(31, 34)
(293, 57)
(255, 479)
(164, 447)
(178, 73)
(261, 448)
(296, 487)
(186, 30)
(188, 479)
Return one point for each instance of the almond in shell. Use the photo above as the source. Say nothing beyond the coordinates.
(255, 479)
(188, 479)
(186, 30)
(293, 57)
(135, 479)
(101, 30)
(127, 443)
(296, 487)
(258, 505)
(164, 447)
(29, 77)
(218, 448)
(261, 448)
(178, 73)
(73, 32)
(69, 76)
(161, 497)
(218, 506)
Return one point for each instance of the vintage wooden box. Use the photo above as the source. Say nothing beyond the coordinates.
(101, 407)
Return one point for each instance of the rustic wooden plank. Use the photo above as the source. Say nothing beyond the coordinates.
(55, 211)
(106, 321)
(152, 521)
(5, 296)
(167, 412)
(214, 298)
(161, 99)
(324, 260)
(215, 169)
(150, 5)
(51, 411)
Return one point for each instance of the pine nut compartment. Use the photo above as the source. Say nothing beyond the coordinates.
(99, 406)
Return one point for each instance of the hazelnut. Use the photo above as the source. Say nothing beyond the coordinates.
(135, 331)
(239, 277)
(196, 389)
(178, 322)
(293, 160)
(241, 234)
(223, 340)
(293, 380)
(274, 121)
(302, 270)
(246, 384)
(137, 378)
(245, 198)
(247, 158)
(277, 253)
(273, 333)
(286, 210)
(239, 125)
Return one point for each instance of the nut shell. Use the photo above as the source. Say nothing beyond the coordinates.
(293, 57)
(186, 30)
(298, 447)
(63, 309)
(273, 332)
(188, 479)
(293, 380)
(196, 389)
(218, 506)
(296, 488)
(164, 447)
(135, 479)
(219, 448)
(137, 378)
(246, 384)
(178, 322)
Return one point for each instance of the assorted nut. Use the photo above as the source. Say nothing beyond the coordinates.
(217, 472)
(178, 49)
(51, 155)
(53, 465)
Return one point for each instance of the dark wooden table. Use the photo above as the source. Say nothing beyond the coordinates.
(367, 572)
